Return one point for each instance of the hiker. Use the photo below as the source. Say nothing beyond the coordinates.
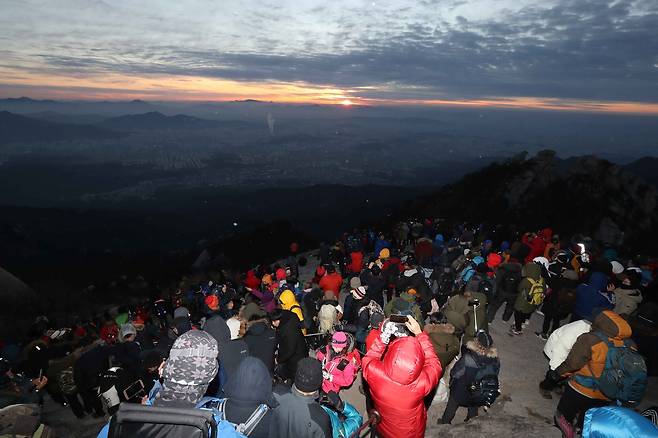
(473, 378)
(586, 365)
(338, 370)
(375, 284)
(400, 373)
(560, 302)
(191, 365)
(532, 290)
(232, 350)
(557, 348)
(292, 346)
(287, 301)
(508, 277)
(260, 338)
(413, 278)
(405, 305)
(467, 312)
(444, 340)
(299, 414)
(250, 393)
(595, 293)
(627, 296)
(332, 281)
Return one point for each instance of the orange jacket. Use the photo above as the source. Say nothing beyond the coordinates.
(588, 354)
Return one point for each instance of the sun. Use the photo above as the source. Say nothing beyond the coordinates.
(346, 102)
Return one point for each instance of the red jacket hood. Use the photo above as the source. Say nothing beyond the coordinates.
(404, 360)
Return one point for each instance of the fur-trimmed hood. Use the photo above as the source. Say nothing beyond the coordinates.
(478, 349)
(446, 328)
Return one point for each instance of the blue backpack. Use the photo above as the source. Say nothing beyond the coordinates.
(624, 377)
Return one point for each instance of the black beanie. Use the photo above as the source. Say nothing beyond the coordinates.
(308, 377)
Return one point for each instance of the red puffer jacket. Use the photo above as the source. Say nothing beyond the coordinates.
(400, 381)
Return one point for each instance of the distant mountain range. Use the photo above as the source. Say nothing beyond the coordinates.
(16, 128)
(156, 120)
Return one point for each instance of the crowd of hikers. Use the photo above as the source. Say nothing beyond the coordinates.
(402, 315)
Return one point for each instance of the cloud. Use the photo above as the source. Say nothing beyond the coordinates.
(579, 49)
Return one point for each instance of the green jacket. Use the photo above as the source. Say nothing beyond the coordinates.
(532, 270)
(403, 302)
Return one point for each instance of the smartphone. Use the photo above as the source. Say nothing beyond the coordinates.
(343, 364)
(400, 319)
(135, 390)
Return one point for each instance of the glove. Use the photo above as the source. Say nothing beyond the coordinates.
(326, 375)
(333, 400)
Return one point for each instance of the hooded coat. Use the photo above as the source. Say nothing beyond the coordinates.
(462, 375)
(251, 386)
(292, 346)
(626, 300)
(399, 381)
(231, 352)
(261, 340)
(561, 341)
(592, 295)
(588, 355)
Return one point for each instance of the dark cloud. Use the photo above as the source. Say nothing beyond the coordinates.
(586, 49)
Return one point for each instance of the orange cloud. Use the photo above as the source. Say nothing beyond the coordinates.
(191, 88)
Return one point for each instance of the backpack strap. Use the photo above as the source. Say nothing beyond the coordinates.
(248, 426)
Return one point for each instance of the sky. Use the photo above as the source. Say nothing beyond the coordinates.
(578, 55)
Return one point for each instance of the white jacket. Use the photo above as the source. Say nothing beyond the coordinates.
(559, 344)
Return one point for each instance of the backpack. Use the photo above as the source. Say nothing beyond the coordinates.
(248, 426)
(133, 420)
(624, 377)
(537, 291)
(485, 388)
(510, 283)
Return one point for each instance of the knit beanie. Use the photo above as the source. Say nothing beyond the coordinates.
(355, 282)
(191, 366)
(308, 377)
(128, 329)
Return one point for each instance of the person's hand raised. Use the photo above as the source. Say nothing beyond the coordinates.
(413, 325)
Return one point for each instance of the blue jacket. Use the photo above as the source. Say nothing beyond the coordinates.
(345, 428)
(617, 422)
(224, 428)
(593, 295)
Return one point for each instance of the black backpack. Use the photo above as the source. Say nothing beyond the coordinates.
(133, 420)
(510, 283)
(485, 388)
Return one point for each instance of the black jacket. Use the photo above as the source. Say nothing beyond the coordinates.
(376, 285)
(261, 340)
(299, 416)
(231, 352)
(251, 387)
(292, 346)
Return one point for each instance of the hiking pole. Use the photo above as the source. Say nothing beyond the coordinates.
(475, 303)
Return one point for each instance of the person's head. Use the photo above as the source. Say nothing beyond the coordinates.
(191, 366)
(151, 361)
(251, 383)
(308, 377)
(339, 342)
(385, 254)
(128, 333)
(331, 269)
(275, 317)
(359, 293)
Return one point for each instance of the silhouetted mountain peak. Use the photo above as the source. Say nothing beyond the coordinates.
(574, 195)
(17, 128)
